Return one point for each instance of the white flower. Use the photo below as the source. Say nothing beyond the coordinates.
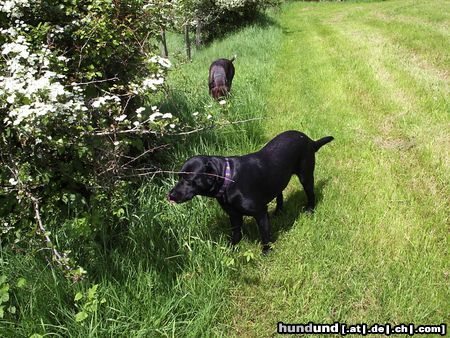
(167, 116)
(161, 61)
(154, 116)
(195, 114)
(102, 100)
(172, 125)
(152, 82)
(140, 110)
(120, 118)
(11, 98)
(12, 181)
(136, 123)
(209, 116)
(96, 104)
(222, 102)
(116, 143)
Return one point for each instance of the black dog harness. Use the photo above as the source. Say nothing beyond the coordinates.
(226, 178)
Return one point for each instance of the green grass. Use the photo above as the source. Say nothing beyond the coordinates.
(372, 74)
(376, 249)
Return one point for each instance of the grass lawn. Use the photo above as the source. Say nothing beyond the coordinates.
(376, 77)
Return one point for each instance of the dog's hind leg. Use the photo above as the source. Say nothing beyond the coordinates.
(264, 229)
(279, 207)
(306, 176)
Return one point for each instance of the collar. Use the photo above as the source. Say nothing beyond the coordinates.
(226, 178)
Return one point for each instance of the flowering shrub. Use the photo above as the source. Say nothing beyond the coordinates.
(213, 18)
(79, 81)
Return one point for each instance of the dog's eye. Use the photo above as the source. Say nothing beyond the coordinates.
(188, 182)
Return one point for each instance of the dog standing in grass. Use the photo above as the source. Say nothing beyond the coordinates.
(221, 73)
(244, 185)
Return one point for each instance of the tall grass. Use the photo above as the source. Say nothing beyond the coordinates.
(165, 270)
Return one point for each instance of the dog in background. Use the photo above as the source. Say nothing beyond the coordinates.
(244, 185)
(221, 73)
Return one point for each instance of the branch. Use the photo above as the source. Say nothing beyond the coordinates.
(115, 78)
(147, 131)
(219, 125)
(60, 260)
(153, 173)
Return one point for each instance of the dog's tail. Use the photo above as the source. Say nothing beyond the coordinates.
(234, 57)
(324, 140)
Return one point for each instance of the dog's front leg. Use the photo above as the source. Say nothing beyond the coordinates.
(264, 229)
(279, 207)
(236, 228)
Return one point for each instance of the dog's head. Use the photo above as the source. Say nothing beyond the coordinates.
(197, 177)
(219, 91)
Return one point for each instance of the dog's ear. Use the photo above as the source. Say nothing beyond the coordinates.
(210, 167)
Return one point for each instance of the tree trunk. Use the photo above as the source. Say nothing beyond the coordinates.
(198, 34)
(187, 40)
(164, 51)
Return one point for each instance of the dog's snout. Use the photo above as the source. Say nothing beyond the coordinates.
(171, 197)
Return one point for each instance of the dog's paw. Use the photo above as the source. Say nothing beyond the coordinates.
(266, 249)
(309, 210)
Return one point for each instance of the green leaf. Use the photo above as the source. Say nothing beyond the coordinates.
(2, 279)
(80, 316)
(78, 296)
(21, 283)
(92, 291)
(4, 295)
(36, 335)
(2, 312)
(12, 309)
(119, 212)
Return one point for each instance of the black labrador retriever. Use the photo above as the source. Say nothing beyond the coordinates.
(244, 185)
(221, 73)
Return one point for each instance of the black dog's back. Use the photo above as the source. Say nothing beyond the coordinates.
(291, 144)
(290, 153)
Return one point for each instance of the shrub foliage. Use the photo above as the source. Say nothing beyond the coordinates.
(81, 82)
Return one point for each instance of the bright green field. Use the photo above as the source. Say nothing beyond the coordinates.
(375, 75)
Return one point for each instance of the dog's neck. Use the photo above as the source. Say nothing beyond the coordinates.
(226, 174)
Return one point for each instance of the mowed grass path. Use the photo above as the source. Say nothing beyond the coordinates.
(376, 77)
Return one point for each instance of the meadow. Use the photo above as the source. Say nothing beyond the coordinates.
(375, 75)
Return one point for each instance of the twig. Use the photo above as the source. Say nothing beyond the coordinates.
(56, 255)
(151, 150)
(119, 132)
(153, 173)
(147, 131)
(219, 125)
(115, 78)
(132, 159)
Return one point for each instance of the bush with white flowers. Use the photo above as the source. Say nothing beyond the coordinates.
(80, 83)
